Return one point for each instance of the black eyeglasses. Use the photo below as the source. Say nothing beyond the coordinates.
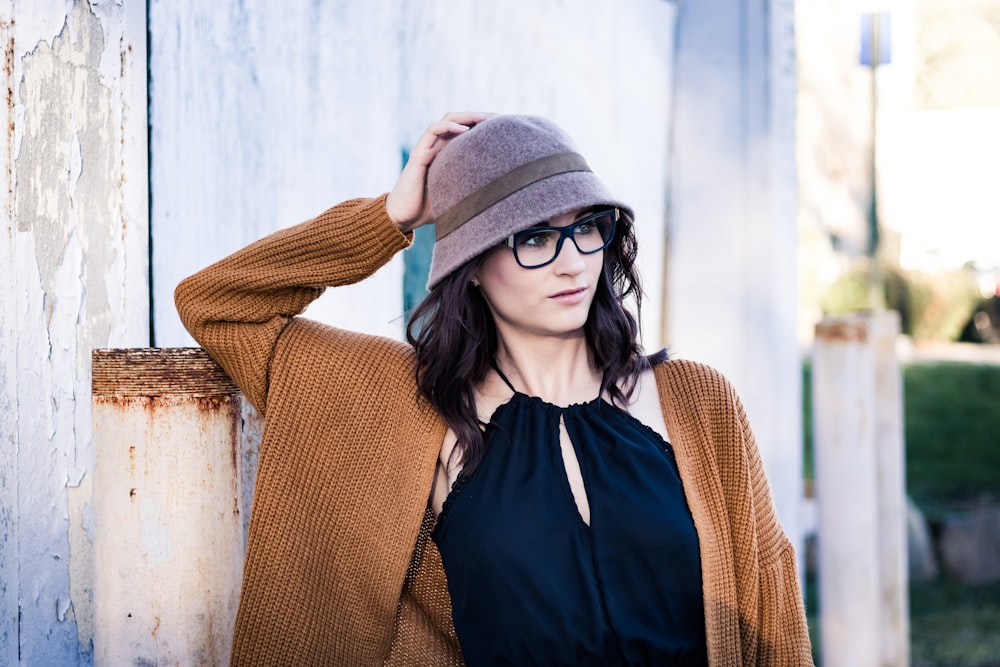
(537, 246)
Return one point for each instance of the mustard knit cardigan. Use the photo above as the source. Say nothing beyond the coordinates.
(339, 566)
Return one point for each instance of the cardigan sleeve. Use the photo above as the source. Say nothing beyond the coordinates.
(238, 307)
(784, 634)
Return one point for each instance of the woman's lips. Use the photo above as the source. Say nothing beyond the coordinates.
(570, 296)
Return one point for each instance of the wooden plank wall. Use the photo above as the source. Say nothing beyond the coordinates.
(72, 277)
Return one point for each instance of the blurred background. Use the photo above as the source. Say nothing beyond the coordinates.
(787, 161)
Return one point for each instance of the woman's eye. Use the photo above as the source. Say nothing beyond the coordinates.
(587, 227)
(533, 240)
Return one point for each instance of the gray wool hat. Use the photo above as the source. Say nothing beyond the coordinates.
(504, 175)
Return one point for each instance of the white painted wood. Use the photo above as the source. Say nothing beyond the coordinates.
(168, 537)
(253, 432)
(857, 422)
(892, 511)
(732, 288)
(9, 580)
(843, 375)
(263, 115)
(74, 258)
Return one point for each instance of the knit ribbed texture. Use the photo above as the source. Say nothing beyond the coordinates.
(339, 568)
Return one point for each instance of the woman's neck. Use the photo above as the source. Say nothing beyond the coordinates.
(558, 371)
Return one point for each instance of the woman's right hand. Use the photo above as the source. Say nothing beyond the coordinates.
(407, 203)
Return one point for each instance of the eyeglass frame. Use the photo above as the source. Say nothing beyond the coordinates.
(564, 233)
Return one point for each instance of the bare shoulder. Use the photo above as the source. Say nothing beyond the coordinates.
(489, 396)
(646, 405)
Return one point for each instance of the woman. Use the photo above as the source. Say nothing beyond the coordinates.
(517, 485)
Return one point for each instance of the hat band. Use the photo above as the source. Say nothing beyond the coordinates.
(504, 186)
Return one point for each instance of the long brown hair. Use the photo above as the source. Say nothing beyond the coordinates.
(455, 339)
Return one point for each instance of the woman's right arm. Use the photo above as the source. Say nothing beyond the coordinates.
(237, 308)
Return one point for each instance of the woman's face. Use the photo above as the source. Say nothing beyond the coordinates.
(552, 300)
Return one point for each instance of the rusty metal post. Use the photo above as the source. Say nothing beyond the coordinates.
(860, 491)
(168, 536)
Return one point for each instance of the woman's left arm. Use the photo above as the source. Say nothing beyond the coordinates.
(784, 633)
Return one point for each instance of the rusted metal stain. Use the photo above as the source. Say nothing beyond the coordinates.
(158, 372)
(206, 404)
(160, 409)
(211, 403)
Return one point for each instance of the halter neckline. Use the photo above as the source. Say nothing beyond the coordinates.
(504, 377)
(510, 385)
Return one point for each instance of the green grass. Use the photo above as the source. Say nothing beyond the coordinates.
(952, 431)
(952, 624)
(952, 416)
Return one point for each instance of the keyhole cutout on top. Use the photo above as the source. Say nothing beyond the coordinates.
(573, 475)
(571, 466)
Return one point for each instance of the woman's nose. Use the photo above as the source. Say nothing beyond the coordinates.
(569, 260)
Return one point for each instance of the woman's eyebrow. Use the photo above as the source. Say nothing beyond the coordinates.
(579, 216)
(588, 211)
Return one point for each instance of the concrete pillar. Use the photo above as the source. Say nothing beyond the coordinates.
(168, 534)
(732, 290)
(858, 438)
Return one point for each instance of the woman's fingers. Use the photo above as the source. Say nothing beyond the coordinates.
(407, 203)
(438, 134)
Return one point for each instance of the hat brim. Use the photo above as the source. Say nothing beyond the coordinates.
(538, 202)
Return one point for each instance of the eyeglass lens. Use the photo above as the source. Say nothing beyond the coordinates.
(538, 246)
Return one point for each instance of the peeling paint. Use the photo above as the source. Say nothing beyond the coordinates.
(9, 580)
(81, 545)
(65, 191)
(69, 69)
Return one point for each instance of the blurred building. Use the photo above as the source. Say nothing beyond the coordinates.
(937, 133)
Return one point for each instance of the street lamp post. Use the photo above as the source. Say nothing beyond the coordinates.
(876, 49)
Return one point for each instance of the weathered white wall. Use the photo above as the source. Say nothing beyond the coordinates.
(733, 233)
(73, 263)
(263, 117)
(600, 69)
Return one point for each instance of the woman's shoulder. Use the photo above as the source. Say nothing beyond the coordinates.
(685, 374)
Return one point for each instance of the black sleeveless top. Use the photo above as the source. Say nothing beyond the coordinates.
(532, 584)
